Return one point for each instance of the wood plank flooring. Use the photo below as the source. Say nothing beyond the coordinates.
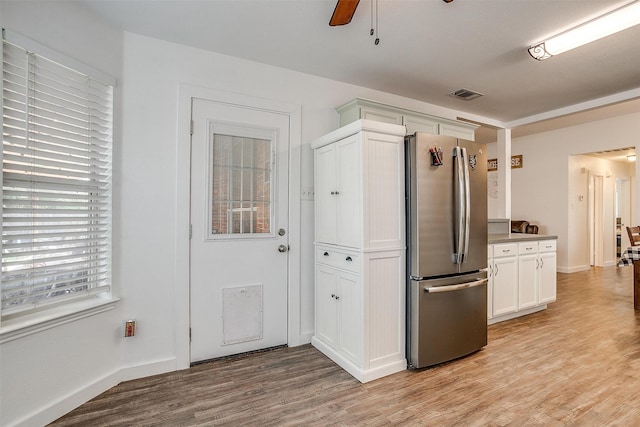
(576, 363)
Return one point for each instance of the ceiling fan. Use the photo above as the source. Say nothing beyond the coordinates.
(343, 13)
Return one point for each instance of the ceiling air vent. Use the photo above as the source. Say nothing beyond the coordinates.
(466, 94)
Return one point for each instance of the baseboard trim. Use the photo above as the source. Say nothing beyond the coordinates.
(516, 314)
(362, 375)
(573, 269)
(148, 369)
(71, 401)
(304, 338)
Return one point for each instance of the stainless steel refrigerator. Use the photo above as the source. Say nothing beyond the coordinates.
(447, 248)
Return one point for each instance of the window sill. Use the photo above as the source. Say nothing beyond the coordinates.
(41, 321)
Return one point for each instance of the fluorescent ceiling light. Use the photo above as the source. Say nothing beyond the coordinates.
(631, 158)
(603, 26)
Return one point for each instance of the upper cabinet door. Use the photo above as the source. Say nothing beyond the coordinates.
(349, 198)
(420, 124)
(326, 185)
(458, 130)
(338, 193)
(359, 186)
(380, 115)
(414, 121)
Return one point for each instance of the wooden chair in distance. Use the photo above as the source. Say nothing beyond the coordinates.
(634, 235)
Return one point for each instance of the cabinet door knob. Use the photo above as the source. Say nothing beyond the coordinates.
(333, 295)
(337, 297)
(326, 254)
(348, 258)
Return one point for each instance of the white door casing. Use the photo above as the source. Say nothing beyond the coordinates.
(596, 219)
(239, 219)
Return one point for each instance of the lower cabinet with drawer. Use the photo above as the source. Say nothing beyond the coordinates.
(522, 278)
(503, 278)
(360, 310)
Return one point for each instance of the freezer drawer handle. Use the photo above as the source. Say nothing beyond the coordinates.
(434, 289)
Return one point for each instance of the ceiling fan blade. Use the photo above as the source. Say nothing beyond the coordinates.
(343, 12)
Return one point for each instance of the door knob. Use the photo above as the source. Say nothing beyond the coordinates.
(283, 248)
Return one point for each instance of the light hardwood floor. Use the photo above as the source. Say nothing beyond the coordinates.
(576, 363)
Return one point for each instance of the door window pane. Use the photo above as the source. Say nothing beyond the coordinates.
(241, 192)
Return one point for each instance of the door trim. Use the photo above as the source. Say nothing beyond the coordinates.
(596, 216)
(186, 93)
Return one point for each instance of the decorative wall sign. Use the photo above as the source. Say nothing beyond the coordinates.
(516, 163)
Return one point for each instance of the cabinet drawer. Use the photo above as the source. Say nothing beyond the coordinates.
(527, 248)
(340, 259)
(507, 249)
(548, 245)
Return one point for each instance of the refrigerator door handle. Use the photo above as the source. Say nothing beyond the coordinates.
(459, 254)
(450, 288)
(467, 202)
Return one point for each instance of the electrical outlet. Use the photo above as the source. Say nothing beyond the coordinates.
(129, 328)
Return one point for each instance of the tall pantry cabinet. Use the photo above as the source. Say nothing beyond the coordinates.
(360, 248)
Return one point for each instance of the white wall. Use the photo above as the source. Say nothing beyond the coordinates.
(153, 72)
(545, 190)
(91, 351)
(46, 374)
(146, 198)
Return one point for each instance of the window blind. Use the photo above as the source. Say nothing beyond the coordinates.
(56, 182)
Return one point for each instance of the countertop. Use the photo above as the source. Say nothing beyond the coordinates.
(518, 237)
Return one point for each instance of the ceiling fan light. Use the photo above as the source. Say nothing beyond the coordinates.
(603, 26)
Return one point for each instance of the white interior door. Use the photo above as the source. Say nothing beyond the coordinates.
(239, 236)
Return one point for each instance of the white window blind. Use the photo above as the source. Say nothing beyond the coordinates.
(56, 182)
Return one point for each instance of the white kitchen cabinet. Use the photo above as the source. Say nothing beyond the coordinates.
(338, 303)
(360, 248)
(359, 186)
(338, 214)
(547, 279)
(522, 278)
(505, 279)
(381, 115)
(325, 200)
(457, 129)
(416, 123)
(367, 110)
(528, 264)
(413, 121)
